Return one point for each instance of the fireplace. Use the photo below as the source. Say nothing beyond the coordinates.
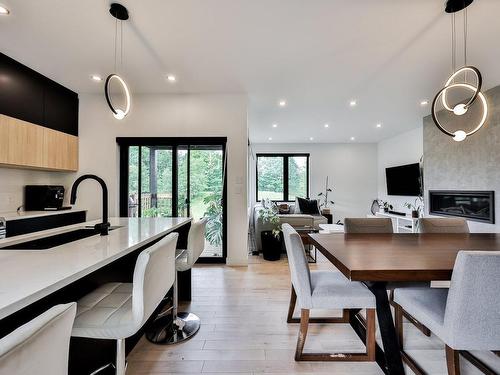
(472, 205)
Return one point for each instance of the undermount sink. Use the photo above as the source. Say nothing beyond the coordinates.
(45, 243)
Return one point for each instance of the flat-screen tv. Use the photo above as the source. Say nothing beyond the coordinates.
(403, 180)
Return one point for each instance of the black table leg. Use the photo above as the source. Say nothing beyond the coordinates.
(393, 361)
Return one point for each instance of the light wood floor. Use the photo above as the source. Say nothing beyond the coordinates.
(244, 331)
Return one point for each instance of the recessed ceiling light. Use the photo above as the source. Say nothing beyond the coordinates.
(353, 103)
(96, 78)
(327, 125)
(4, 11)
(270, 138)
(352, 138)
(171, 78)
(275, 125)
(379, 125)
(282, 103)
(311, 138)
(424, 102)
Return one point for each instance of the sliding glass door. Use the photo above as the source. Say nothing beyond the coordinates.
(165, 177)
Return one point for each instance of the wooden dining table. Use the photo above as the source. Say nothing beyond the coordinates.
(382, 261)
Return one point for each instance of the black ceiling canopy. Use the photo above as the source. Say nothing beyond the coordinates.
(119, 11)
(453, 6)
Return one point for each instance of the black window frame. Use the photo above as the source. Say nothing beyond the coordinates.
(285, 157)
(125, 142)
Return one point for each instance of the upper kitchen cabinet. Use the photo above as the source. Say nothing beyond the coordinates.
(21, 91)
(60, 108)
(38, 120)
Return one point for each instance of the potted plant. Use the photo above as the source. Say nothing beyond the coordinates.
(415, 208)
(271, 239)
(323, 199)
(386, 206)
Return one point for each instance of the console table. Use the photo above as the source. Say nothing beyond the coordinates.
(403, 224)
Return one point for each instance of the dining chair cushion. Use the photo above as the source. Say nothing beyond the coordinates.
(40, 346)
(427, 305)
(332, 290)
(443, 225)
(367, 225)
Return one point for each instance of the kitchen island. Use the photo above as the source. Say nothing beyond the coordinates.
(31, 281)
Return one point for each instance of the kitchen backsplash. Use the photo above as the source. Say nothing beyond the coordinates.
(12, 183)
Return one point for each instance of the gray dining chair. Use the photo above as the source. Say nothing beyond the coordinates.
(325, 290)
(368, 225)
(443, 225)
(466, 316)
(435, 225)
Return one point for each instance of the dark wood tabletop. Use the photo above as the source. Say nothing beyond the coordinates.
(399, 257)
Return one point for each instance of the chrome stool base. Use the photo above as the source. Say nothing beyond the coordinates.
(164, 332)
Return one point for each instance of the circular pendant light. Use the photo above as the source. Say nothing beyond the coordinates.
(461, 108)
(117, 112)
(121, 14)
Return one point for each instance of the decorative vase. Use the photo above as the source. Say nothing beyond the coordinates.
(386, 209)
(414, 214)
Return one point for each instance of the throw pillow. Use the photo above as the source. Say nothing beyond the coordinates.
(283, 208)
(308, 206)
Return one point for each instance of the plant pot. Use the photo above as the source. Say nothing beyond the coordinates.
(414, 214)
(386, 209)
(271, 246)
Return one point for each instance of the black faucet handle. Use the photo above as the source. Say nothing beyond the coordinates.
(103, 228)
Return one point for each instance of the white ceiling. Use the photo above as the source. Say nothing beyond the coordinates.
(316, 54)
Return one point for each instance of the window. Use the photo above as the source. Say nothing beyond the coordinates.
(282, 177)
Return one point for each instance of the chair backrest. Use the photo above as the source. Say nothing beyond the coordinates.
(196, 241)
(472, 317)
(299, 267)
(154, 275)
(41, 346)
(443, 225)
(368, 225)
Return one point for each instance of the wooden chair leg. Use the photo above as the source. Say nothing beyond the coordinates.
(480, 365)
(370, 334)
(301, 340)
(291, 307)
(452, 361)
(398, 323)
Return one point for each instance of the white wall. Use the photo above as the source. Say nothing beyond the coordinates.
(12, 183)
(167, 116)
(352, 171)
(405, 148)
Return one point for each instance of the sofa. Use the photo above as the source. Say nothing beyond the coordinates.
(295, 220)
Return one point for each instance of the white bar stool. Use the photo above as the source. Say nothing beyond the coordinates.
(41, 346)
(118, 310)
(185, 324)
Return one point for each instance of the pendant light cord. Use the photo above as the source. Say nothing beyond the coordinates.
(116, 35)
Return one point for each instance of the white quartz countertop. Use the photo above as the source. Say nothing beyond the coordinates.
(29, 275)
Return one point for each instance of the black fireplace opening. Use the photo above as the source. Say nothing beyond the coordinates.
(472, 205)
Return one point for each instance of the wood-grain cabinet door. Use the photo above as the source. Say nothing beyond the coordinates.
(21, 143)
(60, 150)
(27, 145)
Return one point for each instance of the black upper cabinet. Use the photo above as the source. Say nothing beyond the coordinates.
(30, 96)
(61, 108)
(21, 95)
